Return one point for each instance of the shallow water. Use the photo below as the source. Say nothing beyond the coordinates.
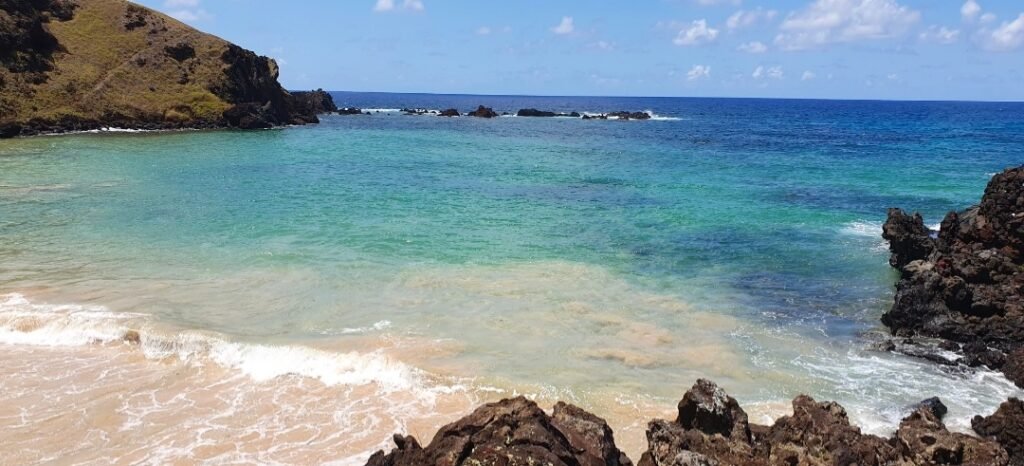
(301, 294)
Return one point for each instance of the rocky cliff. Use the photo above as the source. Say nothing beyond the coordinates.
(965, 286)
(712, 430)
(82, 64)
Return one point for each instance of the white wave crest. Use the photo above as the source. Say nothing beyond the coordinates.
(25, 323)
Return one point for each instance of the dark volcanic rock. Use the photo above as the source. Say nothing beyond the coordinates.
(532, 112)
(717, 433)
(181, 51)
(707, 408)
(259, 100)
(630, 115)
(451, 112)
(318, 102)
(935, 406)
(350, 111)
(483, 112)
(512, 432)
(27, 44)
(712, 430)
(967, 285)
(909, 240)
(1006, 426)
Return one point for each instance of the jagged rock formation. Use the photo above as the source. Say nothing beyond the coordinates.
(84, 64)
(967, 285)
(513, 432)
(483, 112)
(314, 102)
(1006, 426)
(817, 433)
(713, 430)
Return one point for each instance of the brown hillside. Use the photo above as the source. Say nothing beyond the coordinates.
(82, 64)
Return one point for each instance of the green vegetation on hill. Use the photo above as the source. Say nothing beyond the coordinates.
(80, 64)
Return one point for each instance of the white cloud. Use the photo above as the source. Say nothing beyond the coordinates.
(830, 21)
(483, 31)
(773, 72)
(565, 27)
(939, 35)
(186, 10)
(389, 5)
(603, 45)
(699, 72)
(746, 18)
(697, 33)
(970, 10)
(808, 75)
(718, 2)
(988, 18)
(1008, 36)
(753, 47)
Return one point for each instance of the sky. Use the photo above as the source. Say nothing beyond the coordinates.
(835, 49)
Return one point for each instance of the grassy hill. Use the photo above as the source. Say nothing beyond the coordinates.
(81, 64)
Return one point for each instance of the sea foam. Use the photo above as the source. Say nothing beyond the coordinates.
(23, 322)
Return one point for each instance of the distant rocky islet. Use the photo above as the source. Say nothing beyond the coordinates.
(488, 112)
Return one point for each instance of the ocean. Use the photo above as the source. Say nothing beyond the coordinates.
(297, 295)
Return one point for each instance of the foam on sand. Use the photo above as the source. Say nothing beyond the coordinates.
(177, 395)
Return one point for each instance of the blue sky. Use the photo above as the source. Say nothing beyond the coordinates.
(878, 49)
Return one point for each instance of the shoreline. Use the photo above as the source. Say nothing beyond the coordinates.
(189, 354)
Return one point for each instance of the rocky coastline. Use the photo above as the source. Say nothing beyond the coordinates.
(72, 65)
(960, 296)
(960, 291)
(711, 429)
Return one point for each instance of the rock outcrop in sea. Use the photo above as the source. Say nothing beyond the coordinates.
(79, 65)
(315, 102)
(532, 112)
(483, 112)
(965, 285)
(712, 430)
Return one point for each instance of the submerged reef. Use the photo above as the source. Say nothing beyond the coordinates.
(960, 292)
(712, 430)
(965, 286)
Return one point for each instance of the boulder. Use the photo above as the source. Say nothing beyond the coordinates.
(350, 111)
(317, 102)
(532, 112)
(712, 429)
(451, 112)
(512, 432)
(966, 285)
(923, 439)
(483, 112)
(909, 240)
(1005, 426)
(630, 115)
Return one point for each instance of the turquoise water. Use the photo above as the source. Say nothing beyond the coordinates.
(588, 260)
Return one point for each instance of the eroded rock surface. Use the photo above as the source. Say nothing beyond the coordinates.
(513, 432)
(967, 284)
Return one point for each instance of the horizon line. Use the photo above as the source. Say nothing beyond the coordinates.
(829, 99)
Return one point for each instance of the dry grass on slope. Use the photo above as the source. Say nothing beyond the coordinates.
(121, 60)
